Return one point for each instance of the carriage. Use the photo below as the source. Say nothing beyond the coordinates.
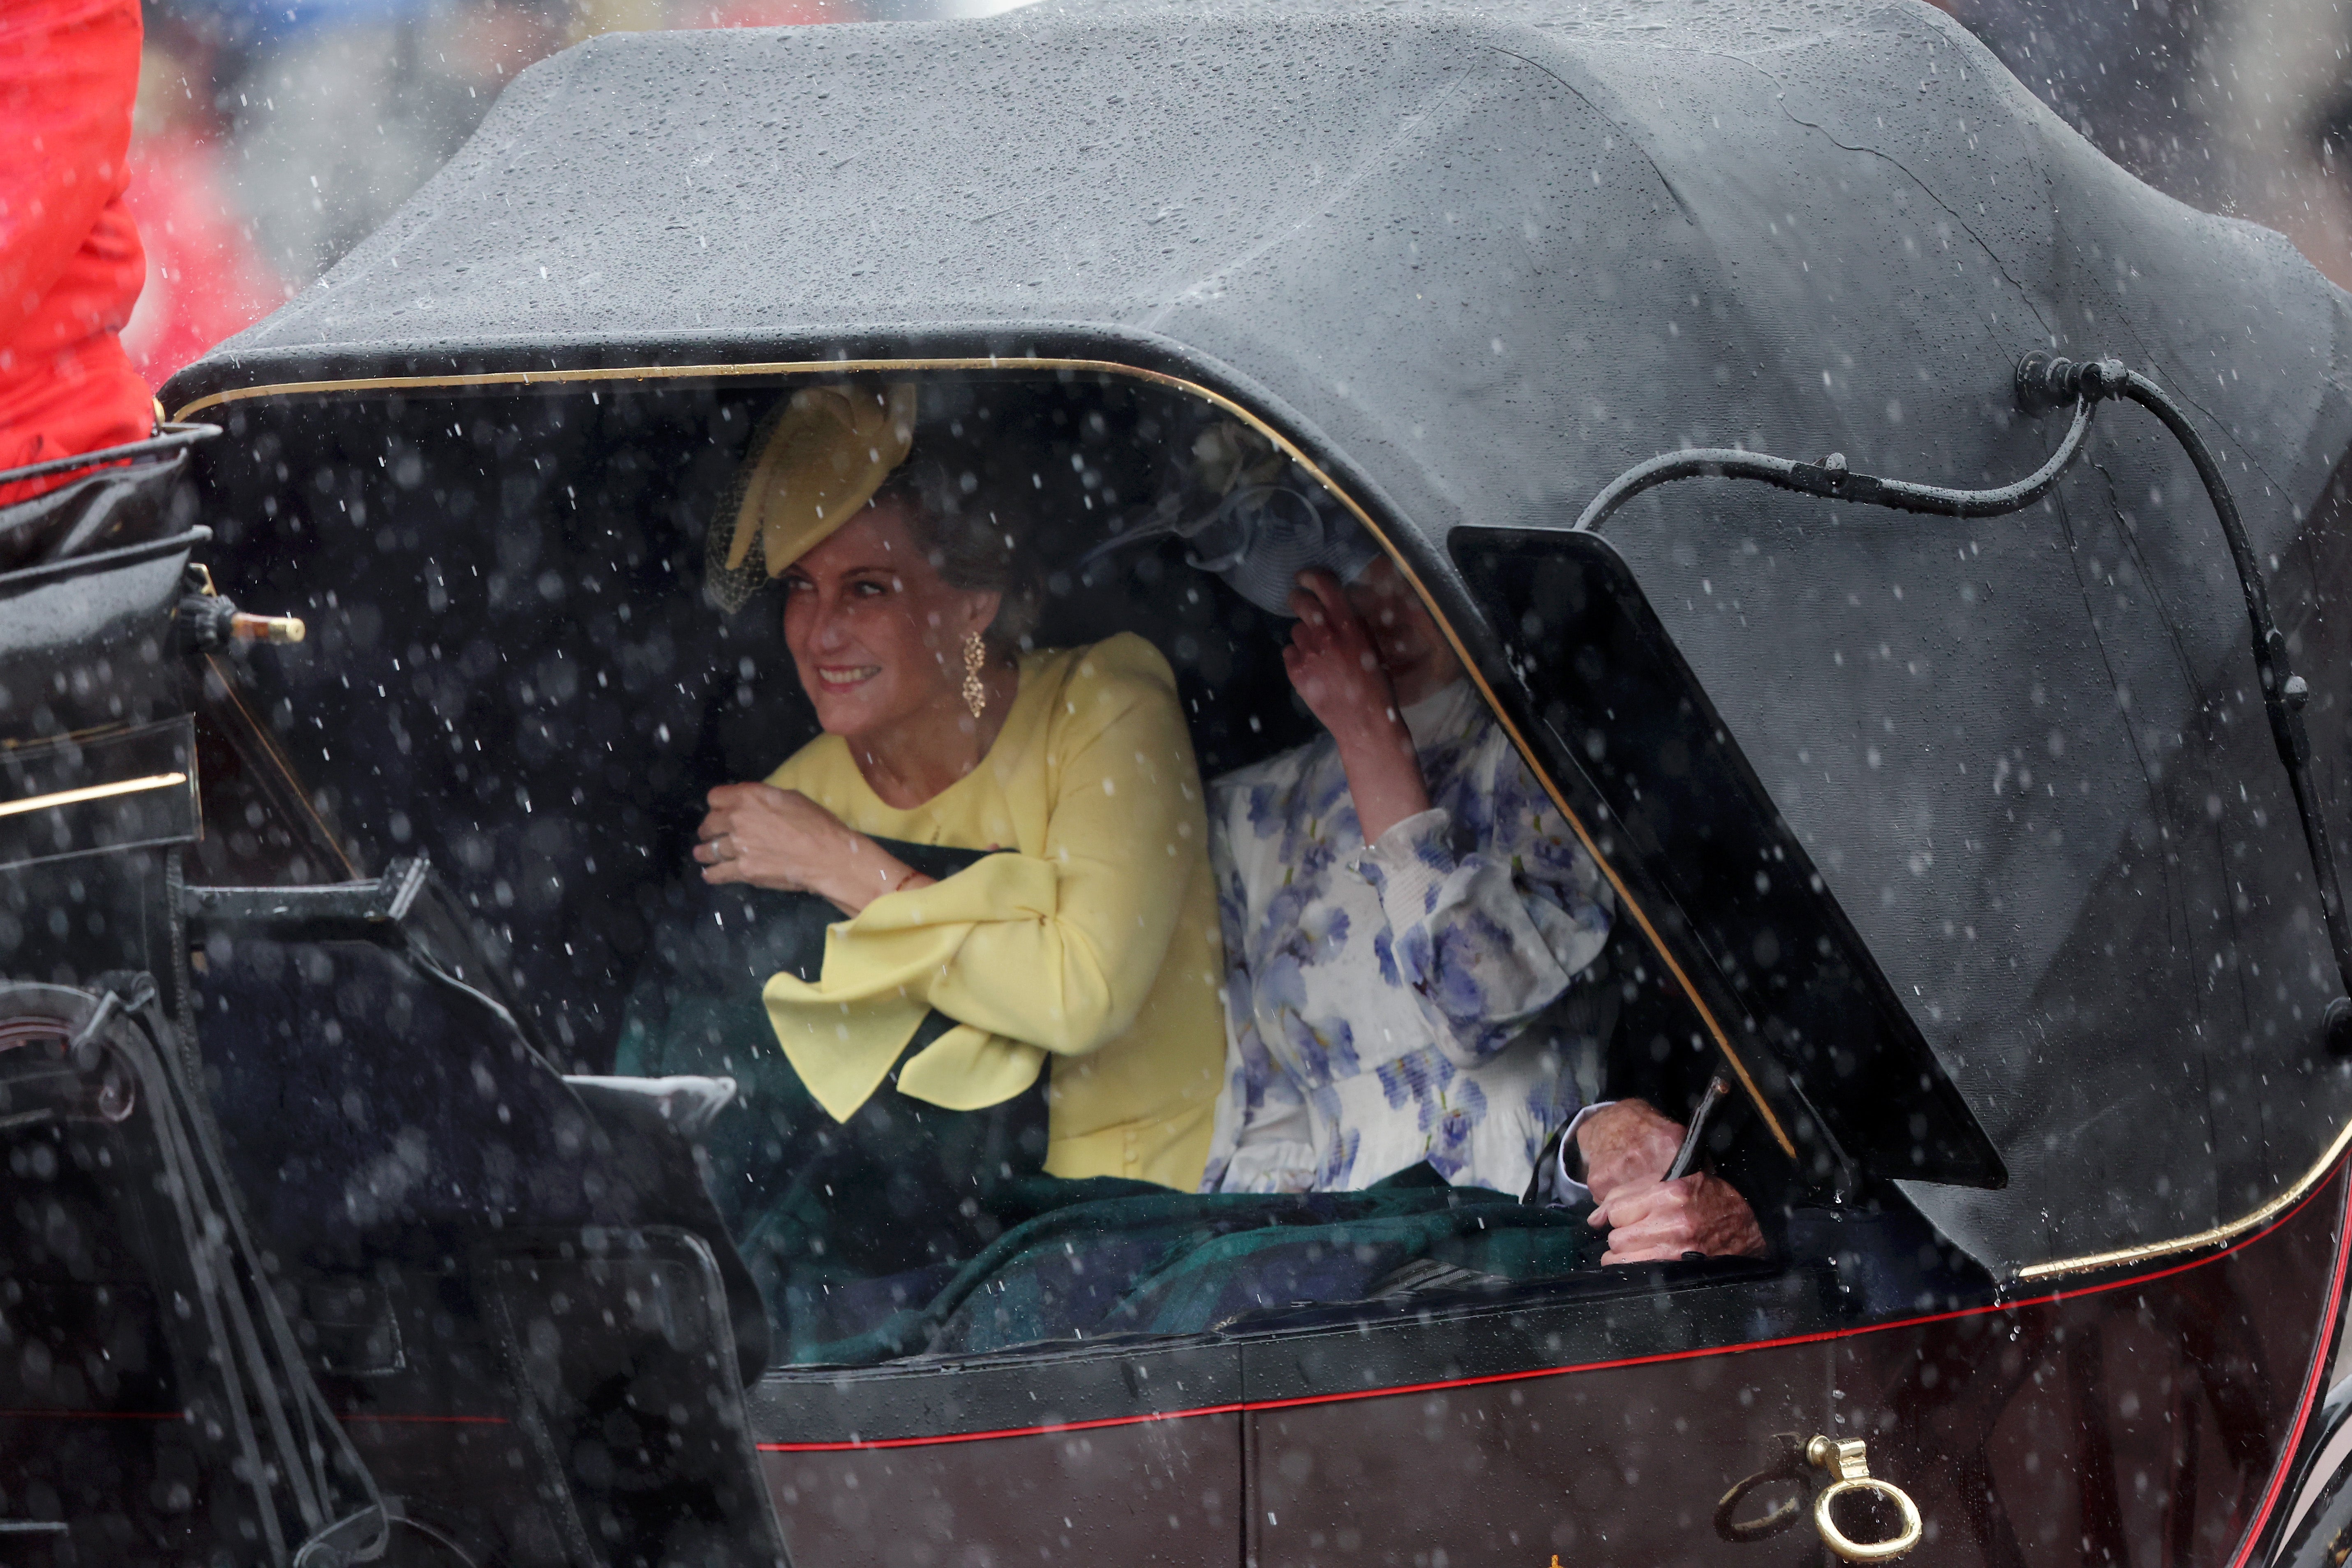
(1906, 548)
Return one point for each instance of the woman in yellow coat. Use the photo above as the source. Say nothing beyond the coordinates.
(1076, 961)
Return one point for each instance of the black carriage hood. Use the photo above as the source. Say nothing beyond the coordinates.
(1477, 259)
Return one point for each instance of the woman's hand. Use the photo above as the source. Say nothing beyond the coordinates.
(1626, 1145)
(1662, 1221)
(1336, 669)
(780, 840)
(1333, 664)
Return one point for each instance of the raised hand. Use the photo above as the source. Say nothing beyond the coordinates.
(1335, 667)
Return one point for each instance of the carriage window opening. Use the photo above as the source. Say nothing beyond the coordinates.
(1056, 680)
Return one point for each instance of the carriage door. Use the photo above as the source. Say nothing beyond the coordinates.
(1599, 1421)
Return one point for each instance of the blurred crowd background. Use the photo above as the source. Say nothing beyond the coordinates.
(273, 135)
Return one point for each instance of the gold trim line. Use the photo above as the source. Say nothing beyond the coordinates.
(91, 792)
(2123, 1257)
(261, 737)
(1714, 1029)
(682, 372)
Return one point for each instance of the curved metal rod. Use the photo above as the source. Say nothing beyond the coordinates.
(1832, 478)
(2284, 692)
(167, 439)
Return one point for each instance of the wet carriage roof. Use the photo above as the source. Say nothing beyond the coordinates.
(1477, 259)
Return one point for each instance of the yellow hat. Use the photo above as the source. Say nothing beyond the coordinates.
(822, 457)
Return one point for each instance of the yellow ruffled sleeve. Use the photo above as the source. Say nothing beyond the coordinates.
(1051, 951)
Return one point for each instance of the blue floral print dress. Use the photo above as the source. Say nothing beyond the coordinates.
(1402, 1001)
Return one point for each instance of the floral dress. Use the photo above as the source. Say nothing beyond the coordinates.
(1403, 1000)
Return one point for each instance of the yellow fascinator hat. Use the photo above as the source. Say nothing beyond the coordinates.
(816, 459)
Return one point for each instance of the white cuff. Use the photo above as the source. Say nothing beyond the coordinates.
(1567, 1187)
(1407, 883)
(1270, 1166)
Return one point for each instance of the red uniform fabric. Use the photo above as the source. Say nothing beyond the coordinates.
(70, 265)
(206, 277)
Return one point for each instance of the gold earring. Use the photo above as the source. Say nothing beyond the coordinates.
(975, 654)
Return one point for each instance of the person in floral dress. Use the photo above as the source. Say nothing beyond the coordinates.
(1407, 918)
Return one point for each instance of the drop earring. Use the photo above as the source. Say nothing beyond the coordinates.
(975, 654)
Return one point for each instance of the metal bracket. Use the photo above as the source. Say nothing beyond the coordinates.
(387, 899)
(1846, 1459)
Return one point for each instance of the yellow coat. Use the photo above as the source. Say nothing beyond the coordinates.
(1093, 939)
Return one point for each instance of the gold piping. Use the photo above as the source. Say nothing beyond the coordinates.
(673, 373)
(2123, 1256)
(1108, 367)
(90, 792)
(254, 728)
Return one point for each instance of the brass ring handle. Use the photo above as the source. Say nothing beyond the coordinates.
(1770, 1523)
(1851, 1551)
(1790, 1470)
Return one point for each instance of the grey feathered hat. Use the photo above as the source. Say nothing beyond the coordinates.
(1271, 520)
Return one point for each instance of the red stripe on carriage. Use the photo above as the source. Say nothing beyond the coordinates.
(2344, 1248)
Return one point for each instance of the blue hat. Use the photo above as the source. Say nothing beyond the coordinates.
(1260, 537)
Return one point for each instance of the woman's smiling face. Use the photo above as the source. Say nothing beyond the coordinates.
(875, 634)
